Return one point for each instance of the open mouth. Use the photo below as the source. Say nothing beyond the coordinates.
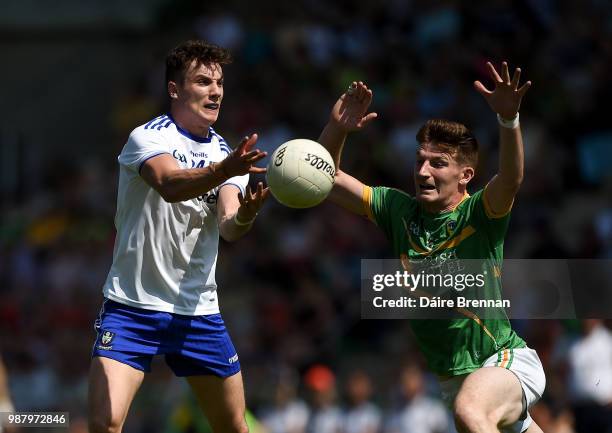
(426, 187)
(212, 106)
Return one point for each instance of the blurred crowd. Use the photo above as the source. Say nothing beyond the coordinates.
(290, 290)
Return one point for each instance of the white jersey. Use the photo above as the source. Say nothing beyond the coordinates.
(165, 254)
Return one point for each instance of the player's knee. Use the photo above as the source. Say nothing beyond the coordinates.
(470, 418)
(104, 424)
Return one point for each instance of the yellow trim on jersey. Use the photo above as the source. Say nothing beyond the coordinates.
(405, 262)
(366, 196)
(413, 291)
(465, 233)
(488, 211)
(478, 321)
(497, 271)
(465, 196)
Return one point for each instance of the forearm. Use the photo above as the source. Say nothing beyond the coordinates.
(333, 138)
(348, 192)
(232, 230)
(184, 184)
(511, 158)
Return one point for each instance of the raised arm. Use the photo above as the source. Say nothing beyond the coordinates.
(175, 184)
(347, 115)
(505, 100)
(236, 213)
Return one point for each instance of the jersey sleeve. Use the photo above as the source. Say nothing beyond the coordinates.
(239, 182)
(496, 225)
(386, 207)
(142, 146)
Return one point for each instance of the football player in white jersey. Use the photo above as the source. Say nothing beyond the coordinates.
(180, 187)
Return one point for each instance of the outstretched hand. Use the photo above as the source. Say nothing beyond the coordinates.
(252, 202)
(349, 112)
(505, 98)
(242, 160)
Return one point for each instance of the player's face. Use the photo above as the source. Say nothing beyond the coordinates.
(201, 93)
(437, 177)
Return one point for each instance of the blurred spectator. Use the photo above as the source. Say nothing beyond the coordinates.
(361, 416)
(590, 378)
(418, 413)
(289, 414)
(551, 421)
(326, 416)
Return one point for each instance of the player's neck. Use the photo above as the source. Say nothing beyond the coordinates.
(184, 122)
(451, 205)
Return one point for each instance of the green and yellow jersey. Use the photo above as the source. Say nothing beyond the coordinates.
(470, 231)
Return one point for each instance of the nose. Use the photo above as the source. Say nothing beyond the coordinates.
(423, 170)
(215, 91)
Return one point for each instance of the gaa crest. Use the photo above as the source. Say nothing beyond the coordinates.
(451, 226)
(107, 337)
(414, 228)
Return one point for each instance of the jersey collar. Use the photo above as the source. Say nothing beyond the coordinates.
(446, 212)
(191, 136)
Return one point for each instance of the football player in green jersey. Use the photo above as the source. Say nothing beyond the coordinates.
(488, 376)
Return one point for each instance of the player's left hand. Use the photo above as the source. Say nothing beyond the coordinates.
(505, 98)
(251, 203)
(349, 112)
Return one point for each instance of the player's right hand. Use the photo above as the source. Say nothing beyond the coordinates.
(242, 160)
(349, 112)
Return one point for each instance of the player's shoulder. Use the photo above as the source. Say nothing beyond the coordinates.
(154, 128)
(219, 141)
(157, 124)
(383, 202)
(471, 201)
(392, 195)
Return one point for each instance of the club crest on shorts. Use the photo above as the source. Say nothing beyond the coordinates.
(107, 337)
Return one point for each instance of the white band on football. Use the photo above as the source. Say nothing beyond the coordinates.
(510, 124)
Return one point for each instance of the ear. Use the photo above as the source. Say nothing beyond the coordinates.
(172, 90)
(467, 174)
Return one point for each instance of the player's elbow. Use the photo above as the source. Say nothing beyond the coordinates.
(167, 192)
(518, 178)
(162, 183)
(515, 184)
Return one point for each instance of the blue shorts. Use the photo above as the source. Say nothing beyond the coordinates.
(191, 345)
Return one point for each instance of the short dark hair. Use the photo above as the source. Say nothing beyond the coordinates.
(180, 58)
(452, 137)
